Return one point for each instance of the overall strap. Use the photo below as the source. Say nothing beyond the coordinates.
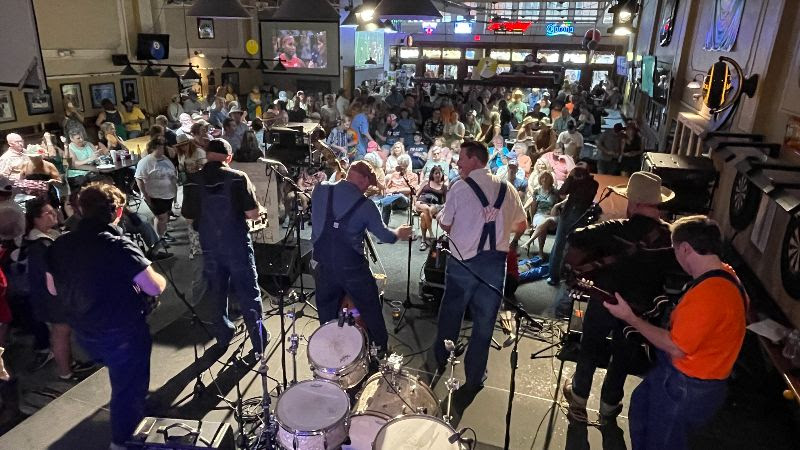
(478, 191)
(489, 230)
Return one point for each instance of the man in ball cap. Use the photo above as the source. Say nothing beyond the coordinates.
(341, 217)
(614, 268)
(220, 203)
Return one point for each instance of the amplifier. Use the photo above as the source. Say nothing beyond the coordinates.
(692, 178)
(278, 266)
(285, 137)
(181, 434)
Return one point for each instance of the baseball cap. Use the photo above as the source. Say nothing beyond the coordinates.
(365, 169)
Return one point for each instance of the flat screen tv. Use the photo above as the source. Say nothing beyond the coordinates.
(152, 46)
(310, 48)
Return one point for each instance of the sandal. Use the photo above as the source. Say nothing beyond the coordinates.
(423, 245)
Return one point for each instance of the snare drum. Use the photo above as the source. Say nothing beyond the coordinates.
(312, 415)
(363, 429)
(389, 395)
(416, 432)
(338, 353)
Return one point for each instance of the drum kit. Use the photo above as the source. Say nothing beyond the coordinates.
(343, 407)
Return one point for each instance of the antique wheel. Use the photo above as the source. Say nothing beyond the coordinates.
(790, 258)
(744, 202)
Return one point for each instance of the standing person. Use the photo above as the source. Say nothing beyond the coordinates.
(103, 293)
(158, 182)
(174, 110)
(360, 124)
(481, 214)
(610, 145)
(236, 135)
(328, 113)
(518, 107)
(434, 127)
(222, 201)
(73, 119)
(697, 353)
(632, 150)
(571, 141)
(345, 215)
(342, 103)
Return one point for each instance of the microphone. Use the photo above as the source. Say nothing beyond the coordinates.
(271, 162)
(449, 345)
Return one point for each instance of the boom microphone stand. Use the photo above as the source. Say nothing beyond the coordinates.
(407, 303)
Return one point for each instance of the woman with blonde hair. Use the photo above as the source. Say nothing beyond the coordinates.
(541, 202)
(398, 149)
(109, 140)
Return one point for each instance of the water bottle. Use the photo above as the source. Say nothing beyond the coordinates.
(791, 346)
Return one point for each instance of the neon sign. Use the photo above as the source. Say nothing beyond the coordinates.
(462, 28)
(517, 27)
(559, 29)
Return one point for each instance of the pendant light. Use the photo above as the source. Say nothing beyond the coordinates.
(219, 9)
(244, 65)
(407, 10)
(228, 64)
(149, 71)
(191, 74)
(129, 71)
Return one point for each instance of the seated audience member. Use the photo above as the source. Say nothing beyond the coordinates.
(512, 173)
(132, 118)
(396, 188)
(157, 181)
(418, 152)
(558, 164)
(340, 138)
(408, 126)
(109, 139)
(540, 205)
(395, 153)
(545, 139)
(434, 160)
(42, 220)
(328, 113)
(218, 113)
(81, 152)
(13, 162)
(429, 202)
(571, 141)
(497, 151)
(586, 121)
(307, 182)
(174, 111)
(525, 162)
(434, 127)
(454, 130)
(184, 132)
(38, 168)
(191, 105)
(297, 112)
(374, 160)
(258, 129)
(528, 129)
(560, 124)
(472, 127)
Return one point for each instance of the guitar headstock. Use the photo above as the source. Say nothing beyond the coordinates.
(584, 283)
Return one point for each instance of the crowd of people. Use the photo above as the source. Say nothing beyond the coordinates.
(484, 165)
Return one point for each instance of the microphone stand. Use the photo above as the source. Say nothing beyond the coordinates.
(519, 315)
(407, 303)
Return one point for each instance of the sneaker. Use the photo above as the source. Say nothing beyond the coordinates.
(80, 367)
(577, 405)
(608, 413)
(40, 360)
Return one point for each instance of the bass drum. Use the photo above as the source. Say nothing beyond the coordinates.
(416, 432)
(392, 394)
(339, 353)
(312, 415)
(363, 429)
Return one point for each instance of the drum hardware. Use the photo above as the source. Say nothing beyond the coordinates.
(452, 383)
(294, 342)
(393, 392)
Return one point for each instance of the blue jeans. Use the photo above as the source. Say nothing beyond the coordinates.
(229, 272)
(386, 202)
(333, 281)
(463, 290)
(608, 167)
(668, 406)
(566, 224)
(126, 353)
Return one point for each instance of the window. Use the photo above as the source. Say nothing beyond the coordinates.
(450, 71)
(598, 76)
(503, 68)
(575, 57)
(431, 70)
(500, 55)
(434, 53)
(556, 12)
(572, 75)
(411, 69)
(519, 55)
(409, 52)
(603, 58)
(587, 12)
(473, 53)
(551, 56)
(451, 53)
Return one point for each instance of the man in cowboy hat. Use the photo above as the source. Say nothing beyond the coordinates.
(517, 107)
(614, 267)
(235, 133)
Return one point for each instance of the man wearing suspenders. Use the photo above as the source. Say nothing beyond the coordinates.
(341, 217)
(481, 213)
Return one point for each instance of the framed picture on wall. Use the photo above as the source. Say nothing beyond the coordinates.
(205, 28)
(71, 93)
(130, 90)
(102, 91)
(231, 78)
(7, 113)
(39, 102)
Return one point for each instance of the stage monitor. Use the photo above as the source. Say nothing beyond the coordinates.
(22, 65)
(152, 46)
(310, 48)
(369, 45)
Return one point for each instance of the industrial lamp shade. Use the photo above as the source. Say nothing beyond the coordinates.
(244, 64)
(261, 65)
(351, 20)
(218, 9)
(129, 70)
(228, 64)
(169, 72)
(407, 10)
(149, 72)
(279, 66)
(191, 74)
(372, 25)
(306, 10)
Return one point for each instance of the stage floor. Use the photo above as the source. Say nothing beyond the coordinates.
(79, 418)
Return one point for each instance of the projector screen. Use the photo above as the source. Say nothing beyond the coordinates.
(369, 44)
(22, 55)
(303, 47)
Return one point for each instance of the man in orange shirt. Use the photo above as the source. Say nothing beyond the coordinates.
(696, 355)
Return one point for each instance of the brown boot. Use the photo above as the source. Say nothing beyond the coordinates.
(577, 404)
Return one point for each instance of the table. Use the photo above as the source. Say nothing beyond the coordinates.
(124, 164)
(138, 145)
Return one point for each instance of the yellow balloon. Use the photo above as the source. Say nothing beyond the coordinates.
(251, 46)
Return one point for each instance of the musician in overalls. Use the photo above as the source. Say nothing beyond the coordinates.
(481, 213)
(341, 217)
(225, 198)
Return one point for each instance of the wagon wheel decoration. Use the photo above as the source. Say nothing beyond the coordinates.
(743, 206)
(790, 258)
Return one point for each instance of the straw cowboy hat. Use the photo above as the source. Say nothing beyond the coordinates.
(528, 119)
(644, 188)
